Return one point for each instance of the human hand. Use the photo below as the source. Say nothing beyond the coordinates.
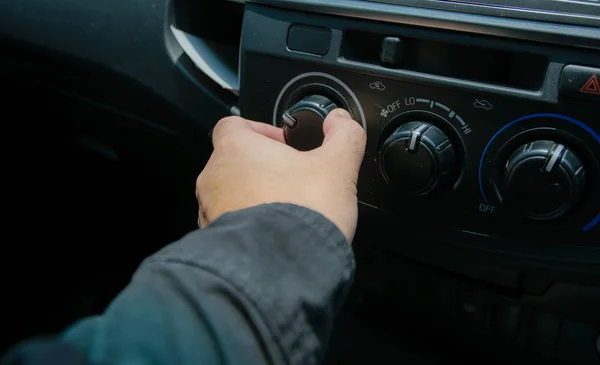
(251, 165)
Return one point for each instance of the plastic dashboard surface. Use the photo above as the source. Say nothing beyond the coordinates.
(130, 39)
(540, 27)
(580, 9)
(470, 204)
(468, 213)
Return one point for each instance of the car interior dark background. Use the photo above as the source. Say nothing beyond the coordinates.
(479, 215)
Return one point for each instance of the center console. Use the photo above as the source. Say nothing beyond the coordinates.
(483, 152)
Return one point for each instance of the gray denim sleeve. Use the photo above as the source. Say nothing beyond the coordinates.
(258, 286)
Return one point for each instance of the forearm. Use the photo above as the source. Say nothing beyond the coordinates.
(259, 286)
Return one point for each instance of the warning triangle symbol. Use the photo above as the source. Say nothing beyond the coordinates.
(592, 86)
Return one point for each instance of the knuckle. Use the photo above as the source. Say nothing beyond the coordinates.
(224, 128)
(225, 143)
(343, 113)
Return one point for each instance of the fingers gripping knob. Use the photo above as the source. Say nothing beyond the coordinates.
(303, 122)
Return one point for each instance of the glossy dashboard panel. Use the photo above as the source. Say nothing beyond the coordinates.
(486, 122)
(564, 11)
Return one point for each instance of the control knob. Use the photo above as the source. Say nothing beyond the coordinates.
(417, 158)
(303, 122)
(544, 179)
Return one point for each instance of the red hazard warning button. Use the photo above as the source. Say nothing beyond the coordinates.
(580, 81)
(591, 86)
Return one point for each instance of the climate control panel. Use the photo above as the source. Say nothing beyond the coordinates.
(446, 159)
(482, 164)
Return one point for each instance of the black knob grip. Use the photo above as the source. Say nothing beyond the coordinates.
(544, 179)
(303, 122)
(417, 158)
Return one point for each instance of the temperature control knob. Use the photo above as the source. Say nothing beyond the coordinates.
(544, 179)
(417, 158)
(303, 122)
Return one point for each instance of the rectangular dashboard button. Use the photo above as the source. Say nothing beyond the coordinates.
(309, 39)
(391, 51)
(580, 82)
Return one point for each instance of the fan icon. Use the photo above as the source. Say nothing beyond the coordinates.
(384, 113)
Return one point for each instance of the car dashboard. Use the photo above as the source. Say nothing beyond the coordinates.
(479, 214)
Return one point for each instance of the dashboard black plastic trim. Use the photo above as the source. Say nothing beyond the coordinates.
(571, 35)
(567, 12)
(527, 258)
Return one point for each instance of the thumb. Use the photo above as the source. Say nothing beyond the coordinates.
(344, 137)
